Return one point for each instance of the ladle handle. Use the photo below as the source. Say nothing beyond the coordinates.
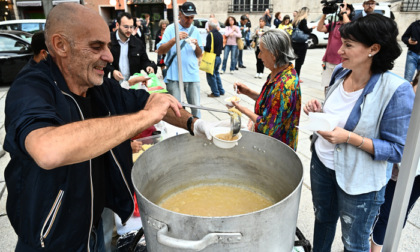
(207, 240)
(205, 108)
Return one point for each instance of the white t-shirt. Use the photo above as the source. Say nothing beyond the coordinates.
(340, 103)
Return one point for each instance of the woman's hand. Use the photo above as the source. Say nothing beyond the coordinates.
(241, 88)
(312, 106)
(337, 136)
(136, 146)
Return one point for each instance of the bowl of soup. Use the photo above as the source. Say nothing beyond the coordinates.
(222, 137)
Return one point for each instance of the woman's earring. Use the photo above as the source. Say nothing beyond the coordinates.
(370, 55)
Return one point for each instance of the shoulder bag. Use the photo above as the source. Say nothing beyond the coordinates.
(207, 62)
(298, 36)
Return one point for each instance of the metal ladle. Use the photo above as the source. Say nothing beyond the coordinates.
(235, 121)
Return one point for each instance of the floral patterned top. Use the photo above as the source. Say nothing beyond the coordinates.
(278, 107)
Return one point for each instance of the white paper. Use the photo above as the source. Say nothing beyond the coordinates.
(320, 121)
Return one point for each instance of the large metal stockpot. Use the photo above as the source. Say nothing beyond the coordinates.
(258, 162)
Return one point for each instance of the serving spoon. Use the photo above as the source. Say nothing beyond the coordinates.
(235, 121)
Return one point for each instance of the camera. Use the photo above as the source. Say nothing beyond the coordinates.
(330, 6)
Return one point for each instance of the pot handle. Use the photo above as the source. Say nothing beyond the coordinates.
(211, 238)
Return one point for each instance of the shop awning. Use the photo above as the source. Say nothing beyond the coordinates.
(28, 3)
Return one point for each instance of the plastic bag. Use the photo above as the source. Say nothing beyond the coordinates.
(153, 85)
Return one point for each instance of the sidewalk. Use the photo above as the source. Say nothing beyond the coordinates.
(311, 88)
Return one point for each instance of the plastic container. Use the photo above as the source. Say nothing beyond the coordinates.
(224, 144)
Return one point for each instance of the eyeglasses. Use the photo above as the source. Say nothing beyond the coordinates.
(128, 27)
(370, 3)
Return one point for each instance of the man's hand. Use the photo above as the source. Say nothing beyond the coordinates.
(117, 75)
(183, 35)
(138, 79)
(136, 146)
(158, 104)
(337, 136)
(150, 69)
(412, 42)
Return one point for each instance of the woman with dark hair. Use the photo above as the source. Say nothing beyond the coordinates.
(277, 106)
(373, 106)
(232, 32)
(277, 19)
(286, 25)
(161, 57)
(300, 48)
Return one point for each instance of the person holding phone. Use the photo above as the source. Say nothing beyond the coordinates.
(410, 38)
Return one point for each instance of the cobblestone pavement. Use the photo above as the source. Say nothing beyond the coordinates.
(311, 88)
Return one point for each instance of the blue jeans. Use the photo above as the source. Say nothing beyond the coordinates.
(240, 62)
(214, 80)
(356, 212)
(412, 63)
(234, 50)
(192, 91)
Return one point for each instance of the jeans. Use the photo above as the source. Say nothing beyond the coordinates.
(381, 220)
(412, 63)
(214, 81)
(239, 59)
(96, 243)
(234, 50)
(356, 212)
(192, 91)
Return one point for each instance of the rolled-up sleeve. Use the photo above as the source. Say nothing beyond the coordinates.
(394, 125)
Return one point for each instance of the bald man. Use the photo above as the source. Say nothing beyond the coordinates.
(68, 131)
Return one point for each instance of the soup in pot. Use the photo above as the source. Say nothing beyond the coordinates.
(215, 200)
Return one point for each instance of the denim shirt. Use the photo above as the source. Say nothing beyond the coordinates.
(382, 113)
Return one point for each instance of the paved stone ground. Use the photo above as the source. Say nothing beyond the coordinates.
(311, 88)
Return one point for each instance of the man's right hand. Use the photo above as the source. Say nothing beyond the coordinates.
(183, 35)
(158, 104)
(117, 75)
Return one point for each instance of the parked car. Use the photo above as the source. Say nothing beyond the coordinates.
(15, 52)
(200, 23)
(321, 39)
(26, 25)
(317, 38)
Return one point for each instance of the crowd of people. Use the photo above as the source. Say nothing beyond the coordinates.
(69, 97)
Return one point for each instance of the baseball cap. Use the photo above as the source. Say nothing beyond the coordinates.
(188, 9)
(369, 1)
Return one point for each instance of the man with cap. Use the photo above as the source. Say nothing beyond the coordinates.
(191, 49)
(368, 8)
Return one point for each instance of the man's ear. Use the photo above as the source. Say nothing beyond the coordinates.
(61, 45)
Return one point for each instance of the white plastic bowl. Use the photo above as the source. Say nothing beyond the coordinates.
(223, 143)
(228, 101)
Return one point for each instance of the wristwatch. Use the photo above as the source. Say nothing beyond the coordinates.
(189, 122)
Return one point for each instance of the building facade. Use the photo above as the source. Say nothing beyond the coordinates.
(405, 11)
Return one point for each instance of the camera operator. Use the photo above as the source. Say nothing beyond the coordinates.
(331, 57)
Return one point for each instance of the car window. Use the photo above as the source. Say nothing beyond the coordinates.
(200, 23)
(30, 27)
(222, 25)
(11, 45)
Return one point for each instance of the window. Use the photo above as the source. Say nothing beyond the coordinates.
(410, 5)
(250, 6)
(11, 45)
